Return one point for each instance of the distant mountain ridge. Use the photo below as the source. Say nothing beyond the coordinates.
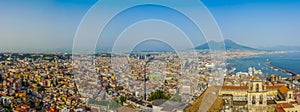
(159, 47)
(228, 45)
(283, 48)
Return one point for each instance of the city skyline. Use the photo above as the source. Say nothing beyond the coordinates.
(149, 56)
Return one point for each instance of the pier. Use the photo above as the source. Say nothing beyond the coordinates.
(282, 70)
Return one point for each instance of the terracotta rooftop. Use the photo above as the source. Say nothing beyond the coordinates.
(287, 105)
(235, 87)
(282, 89)
(279, 109)
(274, 87)
(294, 102)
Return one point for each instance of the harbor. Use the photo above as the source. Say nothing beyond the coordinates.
(268, 62)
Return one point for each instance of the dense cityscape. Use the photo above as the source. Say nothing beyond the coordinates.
(149, 56)
(141, 81)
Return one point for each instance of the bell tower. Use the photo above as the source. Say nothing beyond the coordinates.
(290, 96)
(257, 97)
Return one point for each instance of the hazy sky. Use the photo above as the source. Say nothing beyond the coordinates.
(53, 23)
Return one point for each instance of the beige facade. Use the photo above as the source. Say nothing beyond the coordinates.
(255, 97)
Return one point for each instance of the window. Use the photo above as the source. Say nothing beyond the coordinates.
(253, 100)
(261, 99)
(257, 87)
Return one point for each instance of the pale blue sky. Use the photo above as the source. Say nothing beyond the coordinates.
(53, 23)
(258, 22)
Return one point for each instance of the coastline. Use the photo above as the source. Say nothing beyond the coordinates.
(280, 69)
(236, 64)
(256, 54)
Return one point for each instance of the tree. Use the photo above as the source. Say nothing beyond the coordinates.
(123, 99)
(159, 94)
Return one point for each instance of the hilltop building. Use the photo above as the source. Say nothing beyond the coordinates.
(257, 97)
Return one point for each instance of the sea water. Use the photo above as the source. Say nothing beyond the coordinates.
(288, 61)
